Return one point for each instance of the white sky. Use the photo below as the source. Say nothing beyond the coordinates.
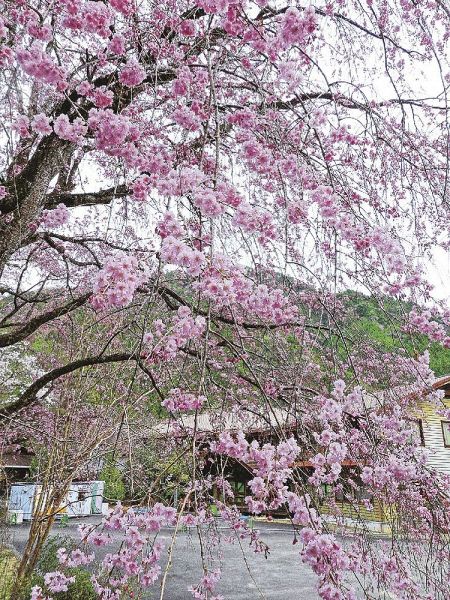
(439, 275)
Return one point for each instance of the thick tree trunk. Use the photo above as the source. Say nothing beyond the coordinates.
(28, 190)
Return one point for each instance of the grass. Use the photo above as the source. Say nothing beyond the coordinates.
(8, 566)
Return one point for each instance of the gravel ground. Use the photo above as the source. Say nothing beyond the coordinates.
(245, 576)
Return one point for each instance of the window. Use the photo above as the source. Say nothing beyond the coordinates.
(417, 436)
(348, 493)
(82, 494)
(240, 490)
(351, 489)
(446, 433)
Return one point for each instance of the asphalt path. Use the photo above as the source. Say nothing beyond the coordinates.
(245, 575)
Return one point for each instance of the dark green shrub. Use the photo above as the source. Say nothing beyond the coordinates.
(48, 560)
(114, 484)
(80, 589)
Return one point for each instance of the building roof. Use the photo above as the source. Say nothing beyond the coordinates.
(15, 461)
(443, 383)
(211, 421)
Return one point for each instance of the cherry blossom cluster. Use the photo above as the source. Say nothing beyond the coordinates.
(255, 220)
(389, 249)
(328, 466)
(126, 7)
(328, 559)
(332, 433)
(56, 217)
(132, 74)
(392, 472)
(22, 126)
(165, 342)
(57, 581)
(290, 75)
(101, 96)
(169, 226)
(227, 287)
(116, 283)
(178, 400)
(422, 323)
(75, 558)
(89, 17)
(40, 124)
(327, 202)
(38, 64)
(112, 131)
(3, 29)
(140, 187)
(6, 55)
(270, 464)
(204, 589)
(176, 182)
(70, 131)
(258, 158)
(186, 118)
(182, 83)
(207, 201)
(397, 577)
(38, 594)
(117, 44)
(177, 252)
(296, 27)
(271, 305)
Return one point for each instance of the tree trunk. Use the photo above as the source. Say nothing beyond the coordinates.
(30, 188)
(41, 524)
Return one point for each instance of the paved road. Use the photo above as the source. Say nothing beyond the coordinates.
(281, 576)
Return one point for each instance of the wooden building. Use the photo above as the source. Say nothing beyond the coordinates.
(351, 506)
(436, 429)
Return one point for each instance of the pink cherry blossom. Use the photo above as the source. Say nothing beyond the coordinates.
(41, 124)
(36, 63)
(178, 400)
(132, 74)
(70, 131)
(57, 581)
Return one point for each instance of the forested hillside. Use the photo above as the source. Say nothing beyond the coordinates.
(379, 321)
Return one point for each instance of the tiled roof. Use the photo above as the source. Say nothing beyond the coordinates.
(219, 420)
(16, 460)
(210, 421)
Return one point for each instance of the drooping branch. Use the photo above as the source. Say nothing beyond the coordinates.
(169, 296)
(22, 332)
(267, 12)
(30, 395)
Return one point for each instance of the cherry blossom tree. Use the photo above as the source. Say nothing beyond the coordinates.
(203, 179)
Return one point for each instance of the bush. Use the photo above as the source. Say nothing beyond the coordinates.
(114, 484)
(48, 560)
(80, 589)
(8, 566)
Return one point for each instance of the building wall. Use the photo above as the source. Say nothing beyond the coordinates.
(433, 438)
(357, 511)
